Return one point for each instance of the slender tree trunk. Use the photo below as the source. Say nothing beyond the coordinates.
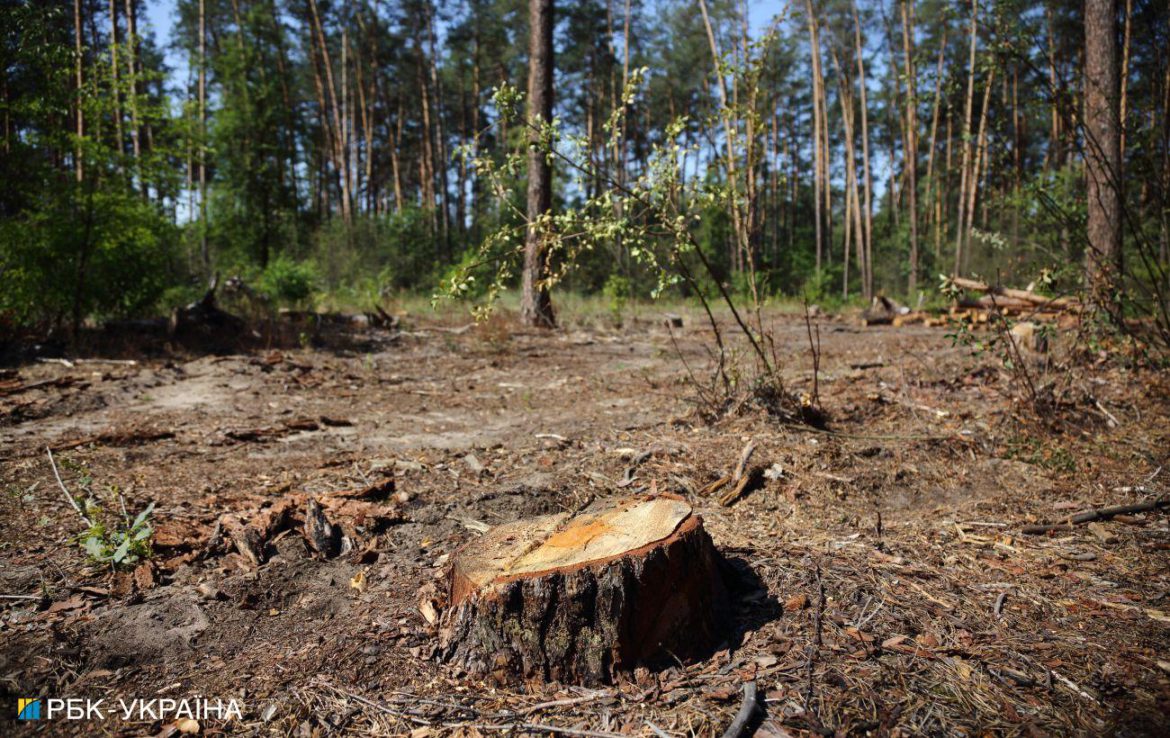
(819, 184)
(340, 157)
(440, 138)
(978, 161)
(536, 304)
(475, 95)
(866, 261)
(964, 172)
(932, 187)
(1103, 164)
(1017, 153)
(427, 159)
(203, 247)
(730, 132)
(1125, 73)
(116, 77)
(78, 155)
(132, 81)
(852, 199)
(1052, 156)
(911, 153)
(395, 147)
(943, 197)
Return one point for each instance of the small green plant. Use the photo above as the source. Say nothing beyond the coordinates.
(617, 293)
(121, 545)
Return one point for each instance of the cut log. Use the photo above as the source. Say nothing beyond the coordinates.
(576, 599)
(1050, 303)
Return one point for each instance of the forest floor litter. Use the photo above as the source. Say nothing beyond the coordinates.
(308, 499)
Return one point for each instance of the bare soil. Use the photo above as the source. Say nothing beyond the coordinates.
(882, 584)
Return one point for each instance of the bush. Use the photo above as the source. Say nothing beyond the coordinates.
(288, 282)
(80, 255)
(617, 292)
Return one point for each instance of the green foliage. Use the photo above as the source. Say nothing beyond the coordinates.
(83, 253)
(122, 545)
(288, 282)
(617, 292)
(377, 255)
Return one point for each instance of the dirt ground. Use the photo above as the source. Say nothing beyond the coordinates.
(882, 582)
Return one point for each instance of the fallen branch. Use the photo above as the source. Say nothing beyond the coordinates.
(747, 711)
(744, 457)
(1103, 513)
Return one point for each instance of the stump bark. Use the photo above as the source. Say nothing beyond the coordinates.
(575, 599)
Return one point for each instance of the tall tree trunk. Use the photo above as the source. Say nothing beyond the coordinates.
(203, 248)
(340, 158)
(1102, 155)
(395, 147)
(964, 169)
(427, 151)
(867, 247)
(730, 133)
(978, 162)
(1125, 73)
(78, 156)
(116, 77)
(819, 184)
(852, 199)
(535, 303)
(1052, 156)
(932, 187)
(440, 162)
(911, 153)
(132, 82)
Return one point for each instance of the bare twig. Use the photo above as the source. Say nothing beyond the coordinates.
(64, 489)
(1103, 513)
(656, 730)
(536, 727)
(561, 703)
(815, 349)
(747, 711)
(744, 457)
(999, 604)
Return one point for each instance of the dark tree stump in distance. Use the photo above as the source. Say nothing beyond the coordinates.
(576, 599)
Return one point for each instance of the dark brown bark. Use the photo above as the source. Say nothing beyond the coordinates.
(78, 163)
(536, 304)
(583, 623)
(1102, 153)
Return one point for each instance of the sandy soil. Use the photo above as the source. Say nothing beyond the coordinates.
(882, 581)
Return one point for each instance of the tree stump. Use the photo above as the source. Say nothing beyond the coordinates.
(575, 599)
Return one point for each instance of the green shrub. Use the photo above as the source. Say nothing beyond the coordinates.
(85, 255)
(617, 293)
(288, 282)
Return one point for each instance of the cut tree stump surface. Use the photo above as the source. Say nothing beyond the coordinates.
(575, 598)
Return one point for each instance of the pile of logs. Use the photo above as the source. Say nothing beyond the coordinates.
(1008, 301)
(992, 300)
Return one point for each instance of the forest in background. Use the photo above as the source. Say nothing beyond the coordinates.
(317, 147)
